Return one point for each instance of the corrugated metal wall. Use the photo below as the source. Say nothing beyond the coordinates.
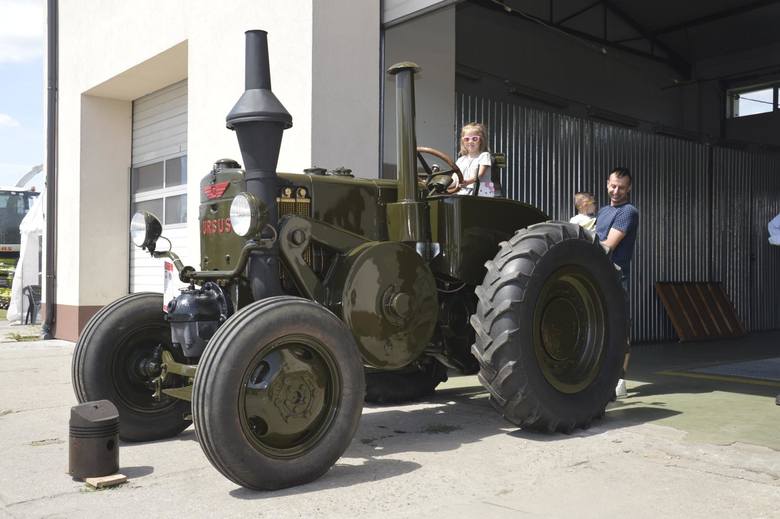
(703, 210)
(765, 200)
(746, 196)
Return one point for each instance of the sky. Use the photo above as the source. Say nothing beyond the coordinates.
(22, 140)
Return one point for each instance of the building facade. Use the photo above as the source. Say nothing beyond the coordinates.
(145, 87)
(143, 93)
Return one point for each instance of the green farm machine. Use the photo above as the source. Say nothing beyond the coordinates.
(320, 291)
(15, 202)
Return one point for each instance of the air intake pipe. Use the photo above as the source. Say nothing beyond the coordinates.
(259, 119)
(408, 219)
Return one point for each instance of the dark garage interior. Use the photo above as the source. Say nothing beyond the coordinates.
(685, 94)
(572, 88)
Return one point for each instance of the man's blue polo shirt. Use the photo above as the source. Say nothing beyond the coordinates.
(624, 218)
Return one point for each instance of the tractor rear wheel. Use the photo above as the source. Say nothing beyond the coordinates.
(278, 393)
(407, 385)
(117, 357)
(551, 328)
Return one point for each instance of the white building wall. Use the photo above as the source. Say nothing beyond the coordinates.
(428, 41)
(105, 198)
(114, 52)
(345, 88)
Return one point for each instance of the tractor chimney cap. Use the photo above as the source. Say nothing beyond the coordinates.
(257, 103)
(404, 65)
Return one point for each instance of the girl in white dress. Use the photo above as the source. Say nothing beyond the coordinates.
(474, 161)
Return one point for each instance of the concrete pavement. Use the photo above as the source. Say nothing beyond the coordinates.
(451, 456)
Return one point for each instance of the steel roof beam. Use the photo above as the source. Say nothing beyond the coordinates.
(500, 6)
(577, 13)
(679, 63)
(715, 16)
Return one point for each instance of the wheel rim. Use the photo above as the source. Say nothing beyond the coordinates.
(289, 396)
(570, 329)
(132, 385)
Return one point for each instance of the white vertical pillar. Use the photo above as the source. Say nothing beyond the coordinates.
(345, 86)
(428, 41)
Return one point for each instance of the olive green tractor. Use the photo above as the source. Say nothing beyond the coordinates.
(320, 291)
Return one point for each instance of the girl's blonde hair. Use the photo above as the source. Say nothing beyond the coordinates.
(582, 200)
(474, 127)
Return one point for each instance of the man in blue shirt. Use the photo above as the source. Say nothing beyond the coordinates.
(774, 230)
(616, 227)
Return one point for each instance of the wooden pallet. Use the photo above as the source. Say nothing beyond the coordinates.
(699, 310)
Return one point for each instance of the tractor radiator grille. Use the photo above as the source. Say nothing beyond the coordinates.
(297, 201)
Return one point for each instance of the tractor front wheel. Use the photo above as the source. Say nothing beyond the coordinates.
(117, 358)
(278, 393)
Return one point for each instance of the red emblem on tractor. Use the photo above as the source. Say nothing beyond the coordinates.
(213, 191)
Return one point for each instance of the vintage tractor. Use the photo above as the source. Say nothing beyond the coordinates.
(320, 290)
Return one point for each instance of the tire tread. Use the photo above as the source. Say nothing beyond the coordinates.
(501, 370)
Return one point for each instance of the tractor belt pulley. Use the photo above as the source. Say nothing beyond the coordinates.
(386, 294)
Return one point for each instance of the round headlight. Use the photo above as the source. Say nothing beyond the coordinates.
(244, 215)
(138, 229)
(145, 228)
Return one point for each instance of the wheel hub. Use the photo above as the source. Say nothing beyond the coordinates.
(569, 330)
(560, 329)
(137, 368)
(150, 366)
(288, 397)
(293, 395)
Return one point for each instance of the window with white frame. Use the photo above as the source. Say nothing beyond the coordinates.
(161, 188)
(752, 100)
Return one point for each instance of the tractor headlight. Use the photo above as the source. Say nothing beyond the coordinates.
(145, 228)
(245, 215)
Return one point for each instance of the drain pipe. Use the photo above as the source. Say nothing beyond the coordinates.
(52, 84)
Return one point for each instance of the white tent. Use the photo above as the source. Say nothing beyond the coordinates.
(28, 267)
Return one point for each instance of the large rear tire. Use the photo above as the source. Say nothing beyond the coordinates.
(278, 393)
(407, 385)
(109, 363)
(551, 328)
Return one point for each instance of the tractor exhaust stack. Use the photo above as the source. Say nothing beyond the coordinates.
(408, 217)
(259, 119)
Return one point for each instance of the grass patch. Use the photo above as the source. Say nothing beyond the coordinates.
(18, 337)
(3, 314)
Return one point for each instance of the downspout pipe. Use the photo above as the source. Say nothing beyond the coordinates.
(52, 85)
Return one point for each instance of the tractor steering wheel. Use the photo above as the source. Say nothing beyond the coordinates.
(431, 174)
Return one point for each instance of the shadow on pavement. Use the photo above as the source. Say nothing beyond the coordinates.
(444, 424)
(340, 475)
(136, 472)
(447, 420)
